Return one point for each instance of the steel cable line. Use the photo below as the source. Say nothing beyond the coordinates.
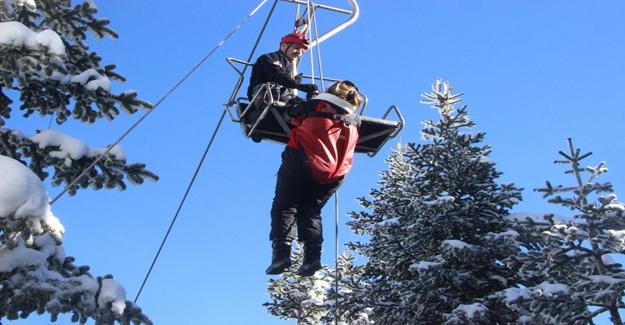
(200, 163)
(158, 103)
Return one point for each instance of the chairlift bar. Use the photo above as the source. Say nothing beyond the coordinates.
(283, 125)
(249, 58)
(265, 86)
(374, 135)
(400, 126)
(355, 13)
(232, 118)
(365, 101)
(395, 109)
(245, 63)
(316, 5)
(324, 78)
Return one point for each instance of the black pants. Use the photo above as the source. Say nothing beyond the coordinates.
(298, 200)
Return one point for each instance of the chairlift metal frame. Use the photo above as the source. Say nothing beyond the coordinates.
(377, 131)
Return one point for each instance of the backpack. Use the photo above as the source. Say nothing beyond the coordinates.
(328, 137)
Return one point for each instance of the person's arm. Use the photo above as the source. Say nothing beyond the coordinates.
(302, 108)
(275, 72)
(278, 74)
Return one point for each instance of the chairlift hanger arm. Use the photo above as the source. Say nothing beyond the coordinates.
(232, 62)
(316, 5)
(354, 14)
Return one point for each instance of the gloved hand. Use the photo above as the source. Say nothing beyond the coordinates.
(298, 78)
(312, 94)
(308, 88)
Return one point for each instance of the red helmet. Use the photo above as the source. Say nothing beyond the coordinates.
(296, 38)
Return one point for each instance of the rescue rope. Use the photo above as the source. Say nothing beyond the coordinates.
(312, 18)
(309, 16)
(336, 256)
(158, 103)
(321, 78)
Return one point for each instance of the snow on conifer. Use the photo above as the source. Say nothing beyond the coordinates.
(48, 70)
(314, 300)
(436, 227)
(36, 275)
(441, 246)
(568, 270)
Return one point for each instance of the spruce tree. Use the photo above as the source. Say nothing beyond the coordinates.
(35, 273)
(314, 300)
(299, 298)
(569, 274)
(47, 69)
(436, 230)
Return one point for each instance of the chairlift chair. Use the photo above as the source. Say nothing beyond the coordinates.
(269, 122)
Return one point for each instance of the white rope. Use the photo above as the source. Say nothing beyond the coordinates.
(323, 87)
(336, 254)
(309, 17)
(312, 19)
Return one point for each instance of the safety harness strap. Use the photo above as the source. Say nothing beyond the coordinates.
(347, 119)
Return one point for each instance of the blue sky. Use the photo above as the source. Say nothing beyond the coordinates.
(533, 74)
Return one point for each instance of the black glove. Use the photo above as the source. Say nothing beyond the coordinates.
(298, 78)
(308, 88)
(311, 95)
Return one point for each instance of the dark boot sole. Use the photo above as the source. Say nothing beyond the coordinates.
(277, 269)
(308, 270)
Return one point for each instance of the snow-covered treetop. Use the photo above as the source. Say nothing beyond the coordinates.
(441, 97)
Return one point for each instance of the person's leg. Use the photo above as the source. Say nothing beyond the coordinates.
(289, 193)
(309, 225)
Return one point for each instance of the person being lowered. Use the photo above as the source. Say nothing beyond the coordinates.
(314, 163)
(278, 68)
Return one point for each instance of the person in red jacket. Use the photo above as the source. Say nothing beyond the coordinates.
(314, 164)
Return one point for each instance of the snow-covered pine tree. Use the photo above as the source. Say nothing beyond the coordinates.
(35, 274)
(313, 300)
(569, 274)
(435, 227)
(344, 307)
(47, 67)
(299, 298)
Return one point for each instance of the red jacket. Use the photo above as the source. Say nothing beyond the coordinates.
(328, 142)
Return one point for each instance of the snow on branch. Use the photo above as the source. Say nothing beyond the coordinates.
(36, 274)
(441, 97)
(70, 148)
(16, 35)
